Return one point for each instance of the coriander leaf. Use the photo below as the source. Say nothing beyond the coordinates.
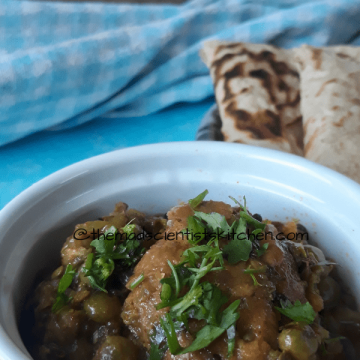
(157, 352)
(255, 271)
(212, 300)
(251, 221)
(204, 338)
(298, 312)
(251, 272)
(231, 340)
(129, 229)
(198, 199)
(215, 221)
(195, 230)
(238, 250)
(262, 250)
(256, 283)
(230, 315)
(191, 298)
(209, 333)
(105, 243)
(239, 230)
(170, 333)
(137, 281)
(60, 301)
(165, 292)
(130, 250)
(98, 271)
(242, 208)
(177, 281)
(66, 280)
(185, 277)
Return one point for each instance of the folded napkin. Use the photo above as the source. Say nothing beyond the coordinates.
(62, 64)
(305, 100)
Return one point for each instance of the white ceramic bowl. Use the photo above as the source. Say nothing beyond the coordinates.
(153, 178)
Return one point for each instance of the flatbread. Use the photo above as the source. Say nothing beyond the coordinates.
(257, 93)
(330, 105)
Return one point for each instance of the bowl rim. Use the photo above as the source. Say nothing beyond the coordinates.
(272, 155)
(8, 349)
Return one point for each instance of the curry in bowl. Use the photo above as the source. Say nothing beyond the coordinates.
(206, 281)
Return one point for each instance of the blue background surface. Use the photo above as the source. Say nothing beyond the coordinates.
(30, 159)
(81, 79)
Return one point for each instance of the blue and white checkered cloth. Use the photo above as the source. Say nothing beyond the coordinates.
(62, 64)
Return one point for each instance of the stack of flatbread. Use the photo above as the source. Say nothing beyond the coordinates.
(305, 101)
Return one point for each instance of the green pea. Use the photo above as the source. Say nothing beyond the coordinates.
(102, 307)
(117, 348)
(299, 340)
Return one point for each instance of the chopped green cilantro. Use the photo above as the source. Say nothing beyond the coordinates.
(231, 340)
(251, 221)
(203, 300)
(157, 352)
(177, 282)
(262, 250)
(100, 265)
(198, 199)
(215, 221)
(66, 280)
(238, 250)
(242, 208)
(255, 271)
(205, 336)
(165, 292)
(251, 272)
(195, 230)
(298, 312)
(170, 333)
(137, 281)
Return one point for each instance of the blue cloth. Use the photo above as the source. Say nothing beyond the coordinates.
(62, 64)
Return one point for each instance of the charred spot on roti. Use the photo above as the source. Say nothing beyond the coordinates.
(336, 107)
(324, 85)
(299, 139)
(317, 58)
(218, 64)
(263, 124)
(293, 103)
(282, 68)
(343, 56)
(236, 71)
(227, 46)
(242, 72)
(295, 121)
(335, 94)
(355, 101)
(282, 86)
(265, 78)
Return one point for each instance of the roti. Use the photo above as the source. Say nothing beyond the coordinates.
(257, 91)
(330, 105)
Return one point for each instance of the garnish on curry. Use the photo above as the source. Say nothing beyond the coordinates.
(229, 286)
